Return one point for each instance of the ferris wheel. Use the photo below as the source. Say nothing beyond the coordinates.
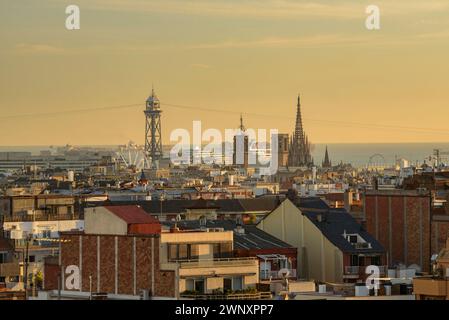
(133, 156)
(376, 161)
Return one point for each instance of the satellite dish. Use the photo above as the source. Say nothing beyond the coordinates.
(283, 273)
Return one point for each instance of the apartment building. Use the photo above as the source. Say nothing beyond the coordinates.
(332, 246)
(123, 253)
(274, 256)
(401, 221)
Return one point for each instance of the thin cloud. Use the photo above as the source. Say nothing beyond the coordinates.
(285, 42)
(275, 9)
(38, 48)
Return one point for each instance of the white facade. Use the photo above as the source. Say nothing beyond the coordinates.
(41, 229)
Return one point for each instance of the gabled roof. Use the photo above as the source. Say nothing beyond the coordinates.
(131, 214)
(335, 222)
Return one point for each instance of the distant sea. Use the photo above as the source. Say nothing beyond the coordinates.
(358, 154)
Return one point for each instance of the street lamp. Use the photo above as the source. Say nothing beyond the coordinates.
(26, 258)
(90, 287)
(161, 198)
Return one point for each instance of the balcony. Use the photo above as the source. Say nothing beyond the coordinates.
(41, 217)
(274, 275)
(233, 296)
(220, 262)
(361, 270)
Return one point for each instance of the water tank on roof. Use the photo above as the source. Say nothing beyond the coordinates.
(361, 290)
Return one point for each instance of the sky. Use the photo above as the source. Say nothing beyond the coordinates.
(89, 86)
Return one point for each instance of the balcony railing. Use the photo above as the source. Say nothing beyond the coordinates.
(359, 270)
(217, 262)
(270, 274)
(235, 296)
(41, 217)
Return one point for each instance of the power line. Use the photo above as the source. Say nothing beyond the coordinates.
(358, 124)
(70, 111)
(207, 109)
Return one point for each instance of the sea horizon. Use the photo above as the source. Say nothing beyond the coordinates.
(357, 154)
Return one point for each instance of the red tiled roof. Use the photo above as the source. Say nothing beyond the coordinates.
(131, 214)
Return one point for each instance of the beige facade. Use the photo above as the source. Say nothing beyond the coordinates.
(99, 220)
(206, 271)
(318, 258)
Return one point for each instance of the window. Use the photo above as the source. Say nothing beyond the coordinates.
(3, 256)
(195, 285)
(226, 250)
(46, 234)
(2, 279)
(361, 261)
(194, 251)
(375, 260)
(354, 260)
(237, 283)
(32, 259)
(190, 284)
(216, 250)
(227, 284)
(172, 252)
(183, 252)
(199, 286)
(352, 239)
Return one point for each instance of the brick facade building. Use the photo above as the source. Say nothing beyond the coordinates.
(401, 221)
(122, 265)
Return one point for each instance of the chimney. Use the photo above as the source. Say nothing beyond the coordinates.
(292, 195)
(348, 199)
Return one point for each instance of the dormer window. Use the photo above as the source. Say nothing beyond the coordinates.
(356, 240)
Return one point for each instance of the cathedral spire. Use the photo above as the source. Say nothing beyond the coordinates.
(326, 163)
(299, 152)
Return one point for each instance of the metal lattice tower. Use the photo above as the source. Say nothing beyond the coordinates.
(153, 136)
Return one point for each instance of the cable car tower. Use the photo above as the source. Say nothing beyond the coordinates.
(153, 136)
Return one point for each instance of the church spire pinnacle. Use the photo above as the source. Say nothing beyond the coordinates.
(242, 127)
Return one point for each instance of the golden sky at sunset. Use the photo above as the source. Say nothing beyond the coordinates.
(250, 56)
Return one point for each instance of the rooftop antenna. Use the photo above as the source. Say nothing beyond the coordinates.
(242, 127)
